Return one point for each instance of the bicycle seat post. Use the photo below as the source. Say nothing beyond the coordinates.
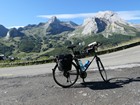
(72, 48)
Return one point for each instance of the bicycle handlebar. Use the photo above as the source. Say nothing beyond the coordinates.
(91, 47)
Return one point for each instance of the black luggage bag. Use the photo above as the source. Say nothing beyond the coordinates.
(64, 62)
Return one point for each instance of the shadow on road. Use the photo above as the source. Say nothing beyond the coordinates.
(117, 82)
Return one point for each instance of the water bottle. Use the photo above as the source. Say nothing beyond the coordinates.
(87, 64)
(81, 65)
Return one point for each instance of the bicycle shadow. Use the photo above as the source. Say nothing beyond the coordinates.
(112, 83)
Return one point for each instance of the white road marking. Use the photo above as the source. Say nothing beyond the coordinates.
(6, 75)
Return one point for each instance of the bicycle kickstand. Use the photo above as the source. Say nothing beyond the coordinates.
(84, 83)
(83, 80)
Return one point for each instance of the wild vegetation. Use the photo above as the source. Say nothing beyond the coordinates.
(37, 47)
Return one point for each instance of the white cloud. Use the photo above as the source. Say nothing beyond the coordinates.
(68, 16)
(14, 27)
(126, 15)
(129, 15)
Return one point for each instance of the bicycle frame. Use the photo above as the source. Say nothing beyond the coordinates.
(94, 57)
(90, 63)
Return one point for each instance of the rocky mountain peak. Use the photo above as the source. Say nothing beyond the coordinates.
(53, 20)
(110, 16)
(106, 22)
(55, 26)
(105, 14)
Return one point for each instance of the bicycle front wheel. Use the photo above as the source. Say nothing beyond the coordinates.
(67, 78)
(101, 69)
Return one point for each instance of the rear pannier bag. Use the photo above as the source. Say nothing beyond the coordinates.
(64, 62)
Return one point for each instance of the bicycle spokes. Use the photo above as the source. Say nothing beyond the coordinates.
(67, 78)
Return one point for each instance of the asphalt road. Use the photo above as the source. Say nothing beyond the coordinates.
(121, 59)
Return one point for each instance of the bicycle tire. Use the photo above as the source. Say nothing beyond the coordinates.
(101, 69)
(64, 81)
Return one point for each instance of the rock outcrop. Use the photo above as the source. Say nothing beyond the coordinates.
(3, 31)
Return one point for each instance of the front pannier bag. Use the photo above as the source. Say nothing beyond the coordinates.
(64, 62)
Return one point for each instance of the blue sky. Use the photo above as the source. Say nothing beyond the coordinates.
(24, 12)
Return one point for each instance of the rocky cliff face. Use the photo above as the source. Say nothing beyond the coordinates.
(106, 23)
(3, 31)
(55, 26)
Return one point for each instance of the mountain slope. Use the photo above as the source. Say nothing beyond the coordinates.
(13, 32)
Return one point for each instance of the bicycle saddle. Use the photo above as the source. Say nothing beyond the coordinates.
(71, 47)
(93, 44)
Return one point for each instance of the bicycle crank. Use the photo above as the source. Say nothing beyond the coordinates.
(83, 75)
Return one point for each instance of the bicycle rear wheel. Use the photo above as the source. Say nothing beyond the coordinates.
(65, 79)
(101, 69)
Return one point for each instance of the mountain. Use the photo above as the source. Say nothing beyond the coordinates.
(55, 26)
(13, 32)
(36, 38)
(106, 23)
(3, 31)
(52, 27)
